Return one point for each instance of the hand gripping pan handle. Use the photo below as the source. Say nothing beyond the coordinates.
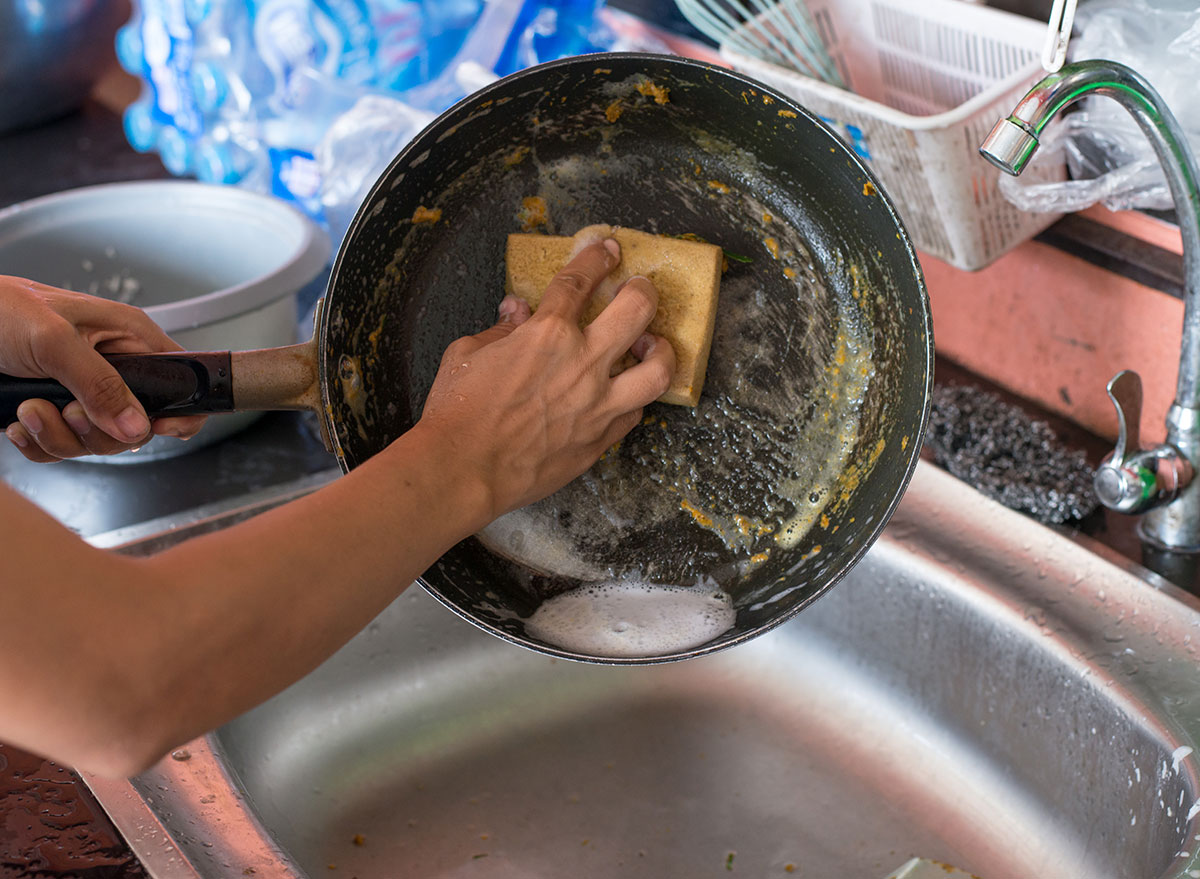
(193, 383)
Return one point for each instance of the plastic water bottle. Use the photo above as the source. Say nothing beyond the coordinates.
(243, 91)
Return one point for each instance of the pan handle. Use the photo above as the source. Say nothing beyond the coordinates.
(165, 383)
(195, 382)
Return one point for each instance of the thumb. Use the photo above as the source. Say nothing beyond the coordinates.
(106, 399)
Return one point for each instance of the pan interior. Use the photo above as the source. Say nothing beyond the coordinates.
(765, 490)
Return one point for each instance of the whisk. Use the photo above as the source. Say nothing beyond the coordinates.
(781, 32)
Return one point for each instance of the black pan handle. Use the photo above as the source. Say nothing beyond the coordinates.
(166, 383)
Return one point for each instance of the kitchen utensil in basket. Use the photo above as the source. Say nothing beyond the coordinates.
(782, 32)
(926, 80)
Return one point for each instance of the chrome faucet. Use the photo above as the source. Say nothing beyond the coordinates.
(1157, 481)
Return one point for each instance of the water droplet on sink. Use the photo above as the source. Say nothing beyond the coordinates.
(181, 754)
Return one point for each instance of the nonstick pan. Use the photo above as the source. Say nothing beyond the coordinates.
(818, 386)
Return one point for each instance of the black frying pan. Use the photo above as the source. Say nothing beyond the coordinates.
(818, 385)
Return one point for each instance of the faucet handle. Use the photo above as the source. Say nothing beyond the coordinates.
(1125, 391)
(1131, 479)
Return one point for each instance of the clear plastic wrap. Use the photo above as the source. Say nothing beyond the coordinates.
(308, 100)
(355, 150)
(1109, 158)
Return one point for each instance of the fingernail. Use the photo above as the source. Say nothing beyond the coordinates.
(31, 422)
(643, 346)
(611, 245)
(508, 307)
(17, 437)
(132, 424)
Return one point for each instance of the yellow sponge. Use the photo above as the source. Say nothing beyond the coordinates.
(687, 275)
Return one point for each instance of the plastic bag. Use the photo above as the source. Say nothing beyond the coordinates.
(356, 149)
(1109, 158)
(359, 143)
(308, 100)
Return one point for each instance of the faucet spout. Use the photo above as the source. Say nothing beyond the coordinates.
(1174, 524)
(1010, 145)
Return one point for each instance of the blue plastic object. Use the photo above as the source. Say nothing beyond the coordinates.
(242, 91)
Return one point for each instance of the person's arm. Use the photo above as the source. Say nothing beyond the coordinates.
(110, 661)
(46, 332)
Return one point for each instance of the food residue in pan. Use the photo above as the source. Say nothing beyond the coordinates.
(624, 97)
(702, 518)
(354, 393)
(660, 93)
(532, 213)
(373, 338)
(426, 215)
(517, 156)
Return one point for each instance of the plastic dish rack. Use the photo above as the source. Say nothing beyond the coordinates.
(928, 79)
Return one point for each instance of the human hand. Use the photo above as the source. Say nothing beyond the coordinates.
(46, 332)
(530, 403)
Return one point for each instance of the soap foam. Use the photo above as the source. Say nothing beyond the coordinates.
(631, 618)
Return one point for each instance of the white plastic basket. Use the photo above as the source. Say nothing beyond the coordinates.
(928, 80)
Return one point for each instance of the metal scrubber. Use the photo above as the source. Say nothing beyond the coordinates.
(1011, 458)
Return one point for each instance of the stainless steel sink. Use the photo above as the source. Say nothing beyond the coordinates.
(980, 690)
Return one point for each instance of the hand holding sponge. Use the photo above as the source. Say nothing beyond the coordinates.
(687, 275)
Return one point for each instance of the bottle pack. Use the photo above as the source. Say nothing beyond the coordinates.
(244, 91)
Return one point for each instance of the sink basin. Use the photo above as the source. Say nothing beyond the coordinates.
(979, 690)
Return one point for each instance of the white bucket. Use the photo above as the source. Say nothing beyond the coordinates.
(217, 267)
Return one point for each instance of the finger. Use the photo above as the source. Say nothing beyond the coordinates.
(138, 334)
(624, 319)
(93, 381)
(45, 426)
(569, 292)
(620, 426)
(511, 313)
(96, 441)
(647, 381)
(180, 426)
(116, 327)
(26, 445)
